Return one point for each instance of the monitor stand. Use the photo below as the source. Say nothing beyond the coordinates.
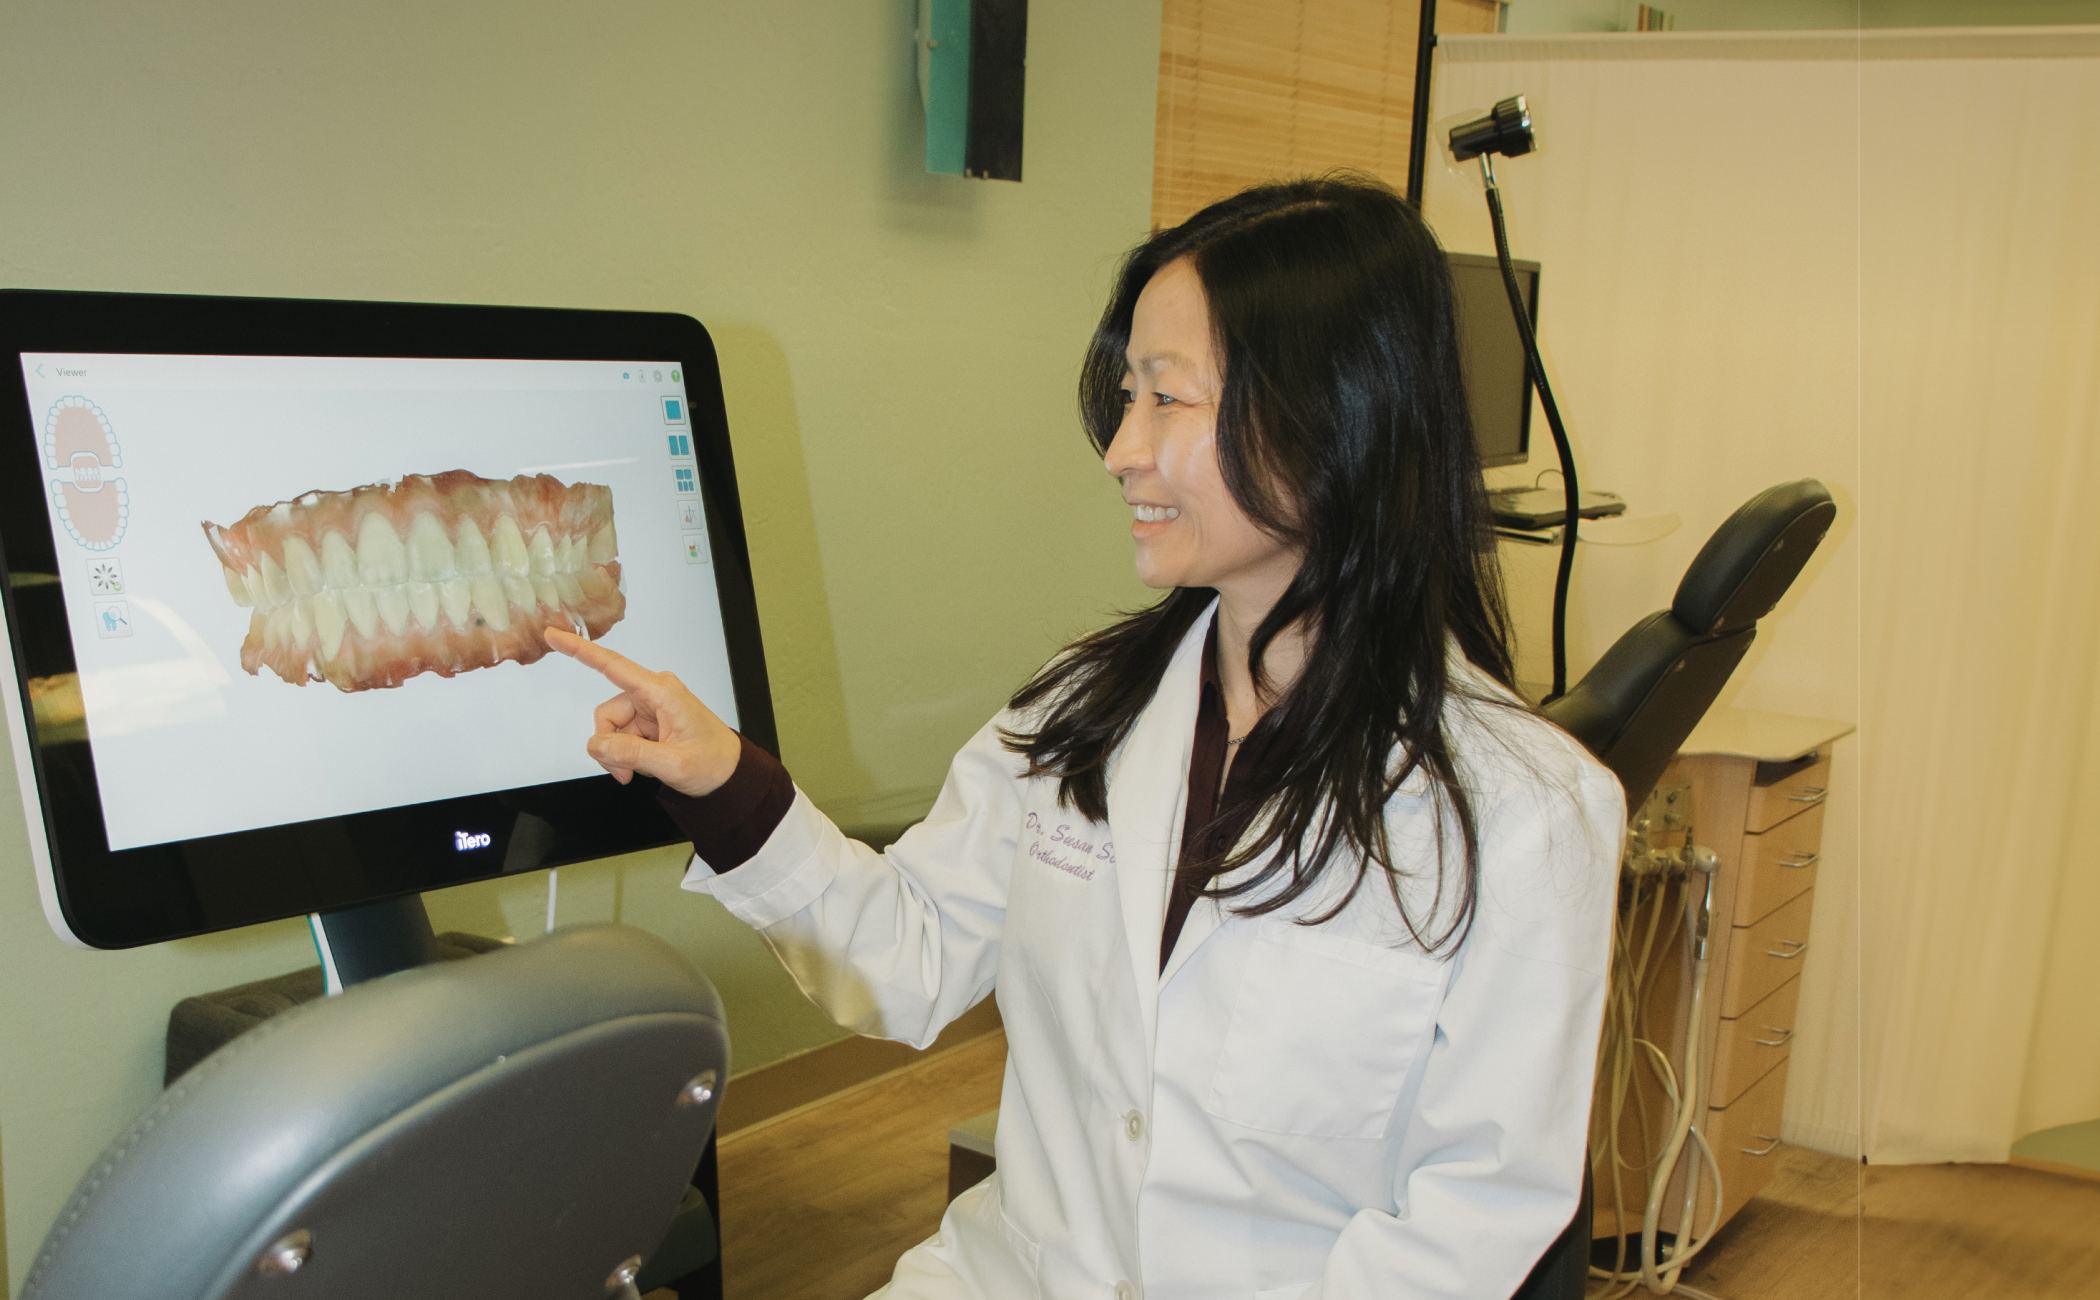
(361, 943)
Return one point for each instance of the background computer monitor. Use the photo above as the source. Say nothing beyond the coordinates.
(274, 573)
(1491, 352)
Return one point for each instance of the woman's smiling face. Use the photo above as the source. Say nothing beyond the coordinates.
(1189, 530)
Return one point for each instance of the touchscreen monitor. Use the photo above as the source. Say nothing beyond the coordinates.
(277, 574)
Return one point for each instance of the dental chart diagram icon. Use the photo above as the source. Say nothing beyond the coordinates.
(81, 450)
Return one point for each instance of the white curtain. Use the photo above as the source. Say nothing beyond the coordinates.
(1863, 257)
(1980, 413)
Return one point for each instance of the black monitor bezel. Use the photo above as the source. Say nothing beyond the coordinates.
(1523, 267)
(124, 898)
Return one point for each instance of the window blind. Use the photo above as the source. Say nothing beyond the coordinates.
(1254, 90)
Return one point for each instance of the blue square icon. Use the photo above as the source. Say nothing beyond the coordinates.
(683, 478)
(674, 410)
(681, 445)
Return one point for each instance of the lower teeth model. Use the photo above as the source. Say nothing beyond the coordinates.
(438, 573)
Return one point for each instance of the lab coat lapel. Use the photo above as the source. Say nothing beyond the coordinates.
(1330, 891)
(1208, 914)
(1203, 921)
(1147, 795)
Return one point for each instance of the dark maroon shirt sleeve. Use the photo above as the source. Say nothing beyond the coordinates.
(729, 826)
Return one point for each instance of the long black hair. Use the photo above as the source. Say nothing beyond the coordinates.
(1342, 430)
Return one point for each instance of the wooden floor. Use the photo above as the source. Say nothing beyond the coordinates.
(818, 1204)
(1829, 1229)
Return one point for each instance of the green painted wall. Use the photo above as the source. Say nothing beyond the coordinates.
(898, 350)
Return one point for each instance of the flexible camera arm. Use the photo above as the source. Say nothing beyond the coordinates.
(1507, 130)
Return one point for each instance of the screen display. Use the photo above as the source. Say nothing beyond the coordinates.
(1491, 353)
(303, 587)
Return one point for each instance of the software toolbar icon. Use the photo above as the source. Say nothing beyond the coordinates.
(81, 450)
(112, 619)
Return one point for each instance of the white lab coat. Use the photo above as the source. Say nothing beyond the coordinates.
(1286, 1111)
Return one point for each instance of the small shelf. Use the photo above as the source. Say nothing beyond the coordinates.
(1765, 737)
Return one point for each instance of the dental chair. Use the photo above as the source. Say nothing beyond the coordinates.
(518, 1124)
(1635, 708)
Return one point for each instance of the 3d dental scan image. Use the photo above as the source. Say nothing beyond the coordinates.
(442, 574)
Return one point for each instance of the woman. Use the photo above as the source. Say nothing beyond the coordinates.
(1297, 919)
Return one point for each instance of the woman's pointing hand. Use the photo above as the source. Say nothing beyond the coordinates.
(654, 726)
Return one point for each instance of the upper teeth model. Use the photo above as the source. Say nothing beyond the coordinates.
(438, 573)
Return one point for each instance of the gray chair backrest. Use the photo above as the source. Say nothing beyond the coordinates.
(516, 1124)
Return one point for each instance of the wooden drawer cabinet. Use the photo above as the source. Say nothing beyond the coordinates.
(1753, 1044)
(1778, 865)
(1744, 1136)
(1751, 787)
(1780, 790)
(1763, 956)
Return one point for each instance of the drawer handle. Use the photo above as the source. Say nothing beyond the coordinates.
(1801, 861)
(1788, 949)
(1809, 794)
(1771, 1144)
(1785, 1036)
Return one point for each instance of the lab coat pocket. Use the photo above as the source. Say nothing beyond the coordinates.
(1025, 1251)
(1323, 1033)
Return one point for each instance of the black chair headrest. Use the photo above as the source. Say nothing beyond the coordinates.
(1753, 557)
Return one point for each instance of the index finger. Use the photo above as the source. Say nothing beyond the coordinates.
(617, 668)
